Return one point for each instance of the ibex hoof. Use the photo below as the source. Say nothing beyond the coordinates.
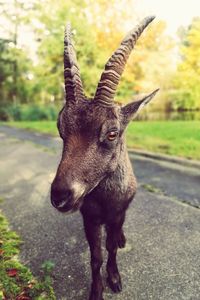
(96, 293)
(116, 286)
(94, 297)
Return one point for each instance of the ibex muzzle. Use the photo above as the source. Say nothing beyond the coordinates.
(95, 172)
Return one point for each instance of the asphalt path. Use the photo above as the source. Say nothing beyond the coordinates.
(161, 260)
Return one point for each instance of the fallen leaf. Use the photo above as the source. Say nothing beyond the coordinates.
(23, 296)
(33, 281)
(12, 272)
(30, 286)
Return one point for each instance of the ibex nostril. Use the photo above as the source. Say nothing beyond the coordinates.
(62, 203)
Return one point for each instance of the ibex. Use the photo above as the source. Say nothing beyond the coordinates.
(95, 173)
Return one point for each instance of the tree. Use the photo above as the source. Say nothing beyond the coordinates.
(15, 64)
(98, 28)
(53, 17)
(186, 82)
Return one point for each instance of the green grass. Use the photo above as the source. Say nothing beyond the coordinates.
(152, 189)
(180, 138)
(16, 280)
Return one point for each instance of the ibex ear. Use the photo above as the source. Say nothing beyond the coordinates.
(130, 110)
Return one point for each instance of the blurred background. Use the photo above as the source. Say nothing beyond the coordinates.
(167, 56)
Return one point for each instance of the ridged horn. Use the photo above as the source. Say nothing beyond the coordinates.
(115, 66)
(73, 83)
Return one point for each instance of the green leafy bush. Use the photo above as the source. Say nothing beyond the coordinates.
(26, 112)
(14, 112)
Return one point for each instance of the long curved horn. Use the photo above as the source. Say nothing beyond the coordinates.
(115, 66)
(73, 83)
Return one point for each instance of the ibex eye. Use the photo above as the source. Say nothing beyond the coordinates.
(112, 135)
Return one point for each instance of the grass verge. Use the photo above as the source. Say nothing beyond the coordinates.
(16, 280)
(152, 189)
(179, 138)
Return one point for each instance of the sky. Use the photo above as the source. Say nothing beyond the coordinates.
(175, 13)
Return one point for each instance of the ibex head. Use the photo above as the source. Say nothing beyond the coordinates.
(92, 130)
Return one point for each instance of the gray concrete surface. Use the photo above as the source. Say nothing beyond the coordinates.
(161, 260)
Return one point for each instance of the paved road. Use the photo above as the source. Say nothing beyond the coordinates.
(161, 260)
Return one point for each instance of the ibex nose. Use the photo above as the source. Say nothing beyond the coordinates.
(61, 198)
(65, 199)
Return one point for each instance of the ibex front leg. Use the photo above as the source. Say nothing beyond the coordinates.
(93, 235)
(115, 239)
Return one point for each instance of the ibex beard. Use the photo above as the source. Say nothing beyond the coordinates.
(95, 173)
